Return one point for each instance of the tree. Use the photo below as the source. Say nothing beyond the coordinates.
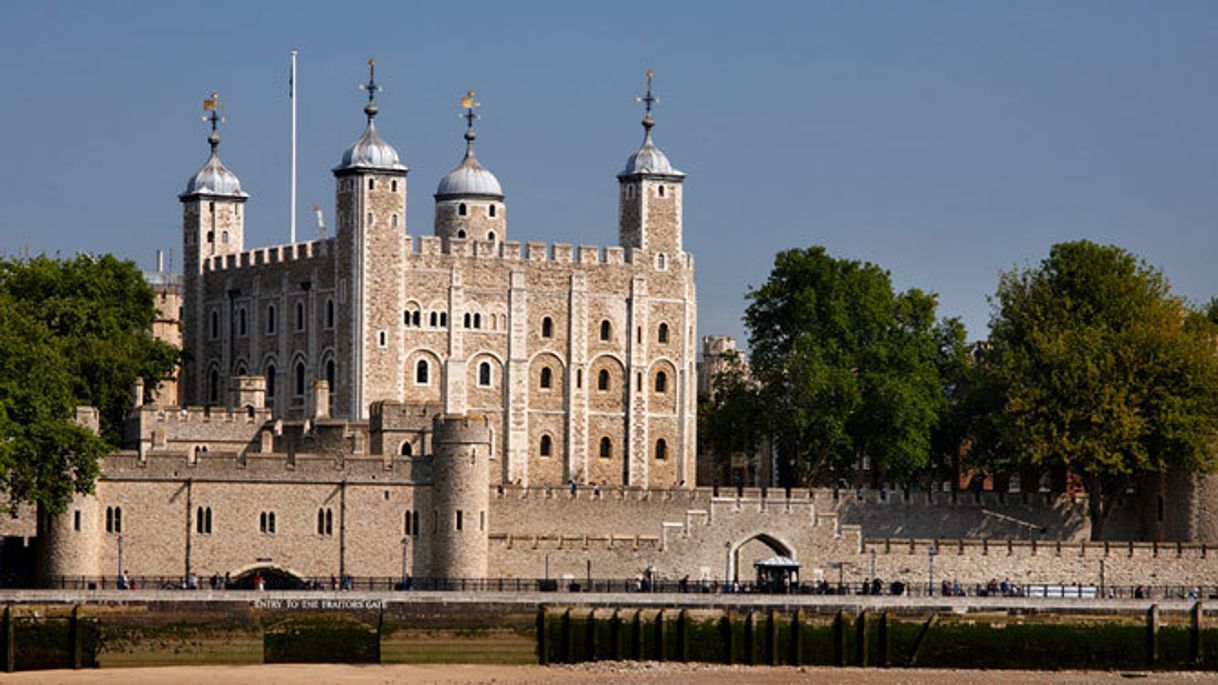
(1096, 367)
(846, 367)
(731, 417)
(75, 332)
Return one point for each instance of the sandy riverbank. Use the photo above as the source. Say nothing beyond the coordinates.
(600, 674)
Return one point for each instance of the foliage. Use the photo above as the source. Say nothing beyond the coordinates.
(846, 367)
(731, 418)
(75, 332)
(1095, 366)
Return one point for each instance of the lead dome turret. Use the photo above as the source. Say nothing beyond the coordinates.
(213, 178)
(469, 199)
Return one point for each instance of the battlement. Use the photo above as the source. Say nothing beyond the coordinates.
(275, 254)
(511, 251)
(234, 466)
(1032, 548)
(579, 542)
(150, 415)
(461, 429)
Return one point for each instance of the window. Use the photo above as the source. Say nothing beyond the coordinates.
(203, 520)
(270, 320)
(491, 211)
(606, 448)
(325, 521)
(241, 329)
(490, 235)
(661, 449)
(467, 319)
(266, 522)
(661, 382)
(215, 325)
(76, 520)
(114, 519)
(460, 517)
(299, 376)
(477, 321)
(461, 233)
(661, 191)
(547, 327)
(484, 374)
(382, 340)
(432, 319)
(638, 335)
(372, 184)
(462, 210)
(602, 380)
(331, 374)
(393, 185)
(393, 221)
(546, 378)
(300, 317)
(605, 330)
(415, 318)
(270, 380)
(662, 336)
(329, 313)
(213, 387)
(224, 237)
(547, 446)
(443, 319)
(661, 261)
(579, 378)
(407, 449)
(420, 372)
(638, 382)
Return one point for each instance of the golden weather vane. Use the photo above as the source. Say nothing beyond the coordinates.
(469, 105)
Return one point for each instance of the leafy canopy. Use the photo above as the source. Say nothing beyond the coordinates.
(1097, 367)
(847, 367)
(72, 332)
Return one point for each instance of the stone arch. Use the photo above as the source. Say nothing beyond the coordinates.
(276, 577)
(612, 399)
(743, 553)
(554, 396)
(477, 394)
(431, 391)
(662, 402)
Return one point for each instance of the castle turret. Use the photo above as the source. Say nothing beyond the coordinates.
(213, 224)
(460, 495)
(371, 204)
(69, 543)
(469, 199)
(649, 215)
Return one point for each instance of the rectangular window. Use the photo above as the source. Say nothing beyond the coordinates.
(76, 520)
(459, 517)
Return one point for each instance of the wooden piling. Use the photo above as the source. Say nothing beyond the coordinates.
(885, 638)
(590, 637)
(750, 639)
(10, 650)
(860, 639)
(839, 639)
(1152, 635)
(660, 643)
(920, 643)
(637, 636)
(725, 629)
(771, 638)
(75, 639)
(683, 636)
(542, 654)
(1196, 649)
(615, 635)
(568, 640)
(796, 653)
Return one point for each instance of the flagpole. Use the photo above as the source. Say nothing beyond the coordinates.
(292, 93)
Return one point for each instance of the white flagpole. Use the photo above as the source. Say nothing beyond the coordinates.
(292, 93)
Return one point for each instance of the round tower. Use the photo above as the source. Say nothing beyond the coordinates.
(460, 495)
(69, 543)
(469, 199)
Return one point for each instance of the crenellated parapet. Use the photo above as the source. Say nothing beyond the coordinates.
(267, 256)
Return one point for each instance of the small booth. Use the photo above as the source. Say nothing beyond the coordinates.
(777, 575)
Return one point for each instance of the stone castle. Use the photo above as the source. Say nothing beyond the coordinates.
(462, 405)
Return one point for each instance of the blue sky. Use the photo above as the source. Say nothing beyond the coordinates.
(945, 141)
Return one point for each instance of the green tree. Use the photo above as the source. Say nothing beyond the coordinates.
(1095, 366)
(731, 417)
(846, 366)
(74, 332)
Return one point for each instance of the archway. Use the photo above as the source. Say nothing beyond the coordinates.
(754, 548)
(273, 577)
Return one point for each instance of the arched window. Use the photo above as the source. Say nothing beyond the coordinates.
(461, 233)
(462, 210)
(484, 374)
(477, 321)
(300, 318)
(661, 449)
(270, 319)
(547, 446)
(414, 318)
(224, 237)
(240, 370)
(270, 380)
(420, 372)
(325, 521)
(329, 521)
(663, 333)
(215, 325)
(331, 374)
(547, 327)
(114, 519)
(661, 191)
(393, 186)
(329, 313)
(546, 377)
(241, 321)
(661, 382)
(299, 386)
(213, 387)
(432, 319)
(467, 319)
(605, 330)
(491, 210)
(490, 235)
(602, 380)
(407, 449)
(443, 319)
(606, 448)
(661, 261)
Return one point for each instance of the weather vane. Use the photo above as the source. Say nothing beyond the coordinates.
(648, 101)
(372, 88)
(468, 104)
(212, 106)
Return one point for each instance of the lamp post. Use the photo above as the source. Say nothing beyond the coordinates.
(1102, 594)
(930, 570)
(120, 555)
(405, 544)
(727, 561)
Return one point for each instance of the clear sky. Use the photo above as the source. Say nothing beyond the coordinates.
(945, 141)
